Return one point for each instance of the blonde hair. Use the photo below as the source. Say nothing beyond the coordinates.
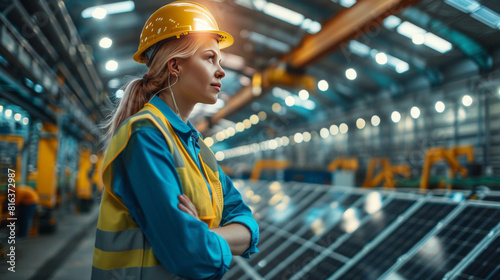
(138, 92)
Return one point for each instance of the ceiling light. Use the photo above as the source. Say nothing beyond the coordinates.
(351, 74)
(111, 65)
(8, 113)
(219, 156)
(26, 120)
(437, 43)
(415, 112)
(375, 120)
(347, 3)
(119, 93)
(359, 48)
(114, 83)
(323, 85)
(276, 107)
(219, 136)
(108, 9)
(283, 13)
(360, 123)
(418, 39)
(290, 101)
(303, 94)
(17, 117)
(439, 107)
(298, 137)
(391, 22)
(307, 136)
(254, 119)
(209, 141)
(381, 58)
(262, 115)
(324, 133)
(466, 6)
(231, 131)
(343, 128)
(247, 123)
(334, 130)
(105, 43)
(467, 100)
(395, 116)
(99, 13)
(240, 127)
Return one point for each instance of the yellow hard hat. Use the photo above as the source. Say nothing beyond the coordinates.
(176, 19)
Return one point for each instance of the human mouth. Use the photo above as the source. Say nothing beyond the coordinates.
(216, 86)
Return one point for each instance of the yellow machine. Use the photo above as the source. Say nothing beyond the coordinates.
(386, 173)
(344, 164)
(449, 155)
(267, 164)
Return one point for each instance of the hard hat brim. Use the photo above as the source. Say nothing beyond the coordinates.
(225, 40)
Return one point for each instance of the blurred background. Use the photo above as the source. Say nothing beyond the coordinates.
(343, 123)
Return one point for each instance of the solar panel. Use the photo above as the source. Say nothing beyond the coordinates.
(400, 241)
(373, 227)
(442, 252)
(485, 265)
(324, 232)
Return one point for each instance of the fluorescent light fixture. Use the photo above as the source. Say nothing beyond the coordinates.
(114, 8)
(99, 13)
(359, 48)
(391, 22)
(347, 3)
(399, 65)
(466, 6)
(432, 41)
(437, 43)
(283, 13)
(488, 17)
(259, 4)
(418, 39)
(409, 30)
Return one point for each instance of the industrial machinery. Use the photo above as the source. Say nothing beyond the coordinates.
(386, 173)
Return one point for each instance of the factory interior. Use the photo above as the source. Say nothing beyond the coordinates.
(363, 135)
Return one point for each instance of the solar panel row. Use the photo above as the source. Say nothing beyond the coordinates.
(323, 232)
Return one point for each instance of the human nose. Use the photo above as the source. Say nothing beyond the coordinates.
(220, 73)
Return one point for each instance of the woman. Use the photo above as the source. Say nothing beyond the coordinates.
(168, 210)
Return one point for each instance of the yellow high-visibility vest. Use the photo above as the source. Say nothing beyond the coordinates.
(122, 249)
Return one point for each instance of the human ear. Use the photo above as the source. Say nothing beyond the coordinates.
(174, 67)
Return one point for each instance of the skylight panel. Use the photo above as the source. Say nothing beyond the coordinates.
(466, 6)
(114, 8)
(432, 41)
(488, 17)
(283, 13)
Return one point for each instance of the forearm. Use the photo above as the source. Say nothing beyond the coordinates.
(237, 236)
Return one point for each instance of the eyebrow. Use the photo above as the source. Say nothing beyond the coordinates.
(215, 53)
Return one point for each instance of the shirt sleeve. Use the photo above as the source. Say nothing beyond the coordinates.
(149, 185)
(236, 211)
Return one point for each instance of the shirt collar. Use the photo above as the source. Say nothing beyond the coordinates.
(177, 123)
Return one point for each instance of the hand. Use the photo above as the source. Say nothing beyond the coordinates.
(187, 206)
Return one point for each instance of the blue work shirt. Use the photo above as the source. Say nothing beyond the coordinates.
(144, 176)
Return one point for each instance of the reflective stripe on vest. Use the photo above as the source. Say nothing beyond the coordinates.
(121, 248)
